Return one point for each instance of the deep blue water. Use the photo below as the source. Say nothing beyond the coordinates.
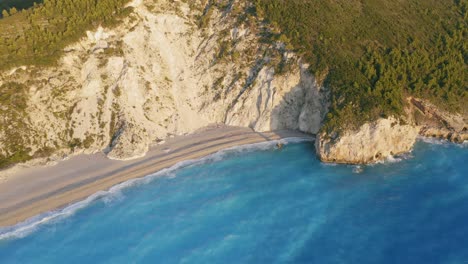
(270, 206)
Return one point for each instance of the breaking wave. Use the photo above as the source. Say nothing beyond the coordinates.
(30, 225)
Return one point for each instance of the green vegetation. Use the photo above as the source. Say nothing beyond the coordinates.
(372, 54)
(14, 126)
(12, 108)
(17, 4)
(37, 36)
(376, 53)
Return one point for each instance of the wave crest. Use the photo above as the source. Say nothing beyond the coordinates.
(30, 225)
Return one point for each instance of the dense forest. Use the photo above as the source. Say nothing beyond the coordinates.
(37, 36)
(372, 54)
(18, 4)
(375, 53)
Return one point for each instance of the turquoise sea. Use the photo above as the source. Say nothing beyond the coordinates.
(257, 204)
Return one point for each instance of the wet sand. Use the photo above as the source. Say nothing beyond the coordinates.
(32, 191)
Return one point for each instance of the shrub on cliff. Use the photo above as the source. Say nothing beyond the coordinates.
(376, 53)
(37, 36)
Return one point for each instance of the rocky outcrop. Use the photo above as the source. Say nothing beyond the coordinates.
(387, 137)
(437, 123)
(370, 143)
(444, 133)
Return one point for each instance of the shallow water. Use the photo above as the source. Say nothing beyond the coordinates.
(268, 206)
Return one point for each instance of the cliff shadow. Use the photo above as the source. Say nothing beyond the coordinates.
(303, 108)
(287, 113)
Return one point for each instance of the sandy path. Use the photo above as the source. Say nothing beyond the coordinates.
(32, 191)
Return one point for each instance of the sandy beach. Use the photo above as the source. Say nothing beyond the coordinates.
(31, 191)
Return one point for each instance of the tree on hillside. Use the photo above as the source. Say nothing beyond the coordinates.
(13, 11)
(5, 13)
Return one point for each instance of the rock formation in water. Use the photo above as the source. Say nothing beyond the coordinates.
(386, 137)
(370, 143)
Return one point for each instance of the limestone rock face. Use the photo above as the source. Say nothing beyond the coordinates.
(125, 146)
(370, 143)
(444, 133)
(437, 123)
(160, 74)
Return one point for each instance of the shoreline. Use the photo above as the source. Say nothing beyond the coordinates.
(33, 191)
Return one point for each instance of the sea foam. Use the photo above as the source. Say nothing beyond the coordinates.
(30, 225)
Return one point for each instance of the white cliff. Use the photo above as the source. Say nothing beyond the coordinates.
(370, 143)
(169, 69)
(161, 74)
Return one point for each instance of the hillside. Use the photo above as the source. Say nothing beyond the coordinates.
(37, 36)
(374, 53)
(166, 69)
(118, 75)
